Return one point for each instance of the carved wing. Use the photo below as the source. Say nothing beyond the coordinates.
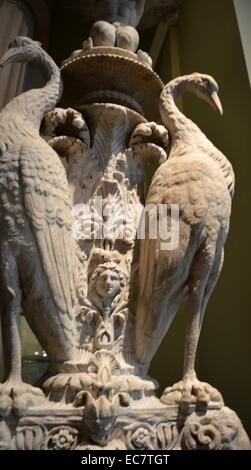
(163, 272)
(158, 301)
(47, 204)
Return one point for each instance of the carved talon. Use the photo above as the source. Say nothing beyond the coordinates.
(194, 391)
(150, 132)
(18, 396)
(190, 391)
(149, 142)
(66, 121)
(142, 130)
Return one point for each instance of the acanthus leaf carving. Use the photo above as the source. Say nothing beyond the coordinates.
(218, 430)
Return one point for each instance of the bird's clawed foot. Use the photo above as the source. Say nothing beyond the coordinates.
(17, 396)
(190, 391)
(150, 132)
(150, 141)
(67, 122)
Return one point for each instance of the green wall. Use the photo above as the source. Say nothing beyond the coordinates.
(209, 42)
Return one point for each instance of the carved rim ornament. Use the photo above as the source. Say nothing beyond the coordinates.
(100, 69)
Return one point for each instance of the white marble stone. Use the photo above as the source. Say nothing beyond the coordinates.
(98, 298)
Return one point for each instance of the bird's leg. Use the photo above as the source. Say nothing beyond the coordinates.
(11, 340)
(194, 323)
(190, 390)
(183, 391)
(14, 393)
(198, 303)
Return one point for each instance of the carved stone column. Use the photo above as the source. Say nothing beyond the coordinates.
(101, 287)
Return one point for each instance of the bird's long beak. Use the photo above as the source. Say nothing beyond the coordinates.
(216, 102)
(11, 55)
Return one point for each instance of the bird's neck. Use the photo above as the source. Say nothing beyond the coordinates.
(33, 104)
(185, 134)
(179, 126)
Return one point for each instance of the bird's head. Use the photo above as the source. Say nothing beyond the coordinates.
(206, 88)
(21, 49)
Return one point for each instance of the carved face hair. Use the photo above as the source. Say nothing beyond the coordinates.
(107, 281)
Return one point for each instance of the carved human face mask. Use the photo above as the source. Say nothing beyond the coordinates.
(108, 284)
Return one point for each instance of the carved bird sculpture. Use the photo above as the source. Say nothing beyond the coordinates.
(200, 179)
(37, 253)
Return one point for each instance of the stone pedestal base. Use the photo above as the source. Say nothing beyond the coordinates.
(160, 427)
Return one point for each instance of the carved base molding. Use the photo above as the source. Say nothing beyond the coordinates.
(135, 428)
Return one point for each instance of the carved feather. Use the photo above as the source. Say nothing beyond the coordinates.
(35, 210)
(200, 180)
(47, 203)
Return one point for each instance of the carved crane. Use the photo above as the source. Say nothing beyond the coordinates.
(37, 258)
(200, 179)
